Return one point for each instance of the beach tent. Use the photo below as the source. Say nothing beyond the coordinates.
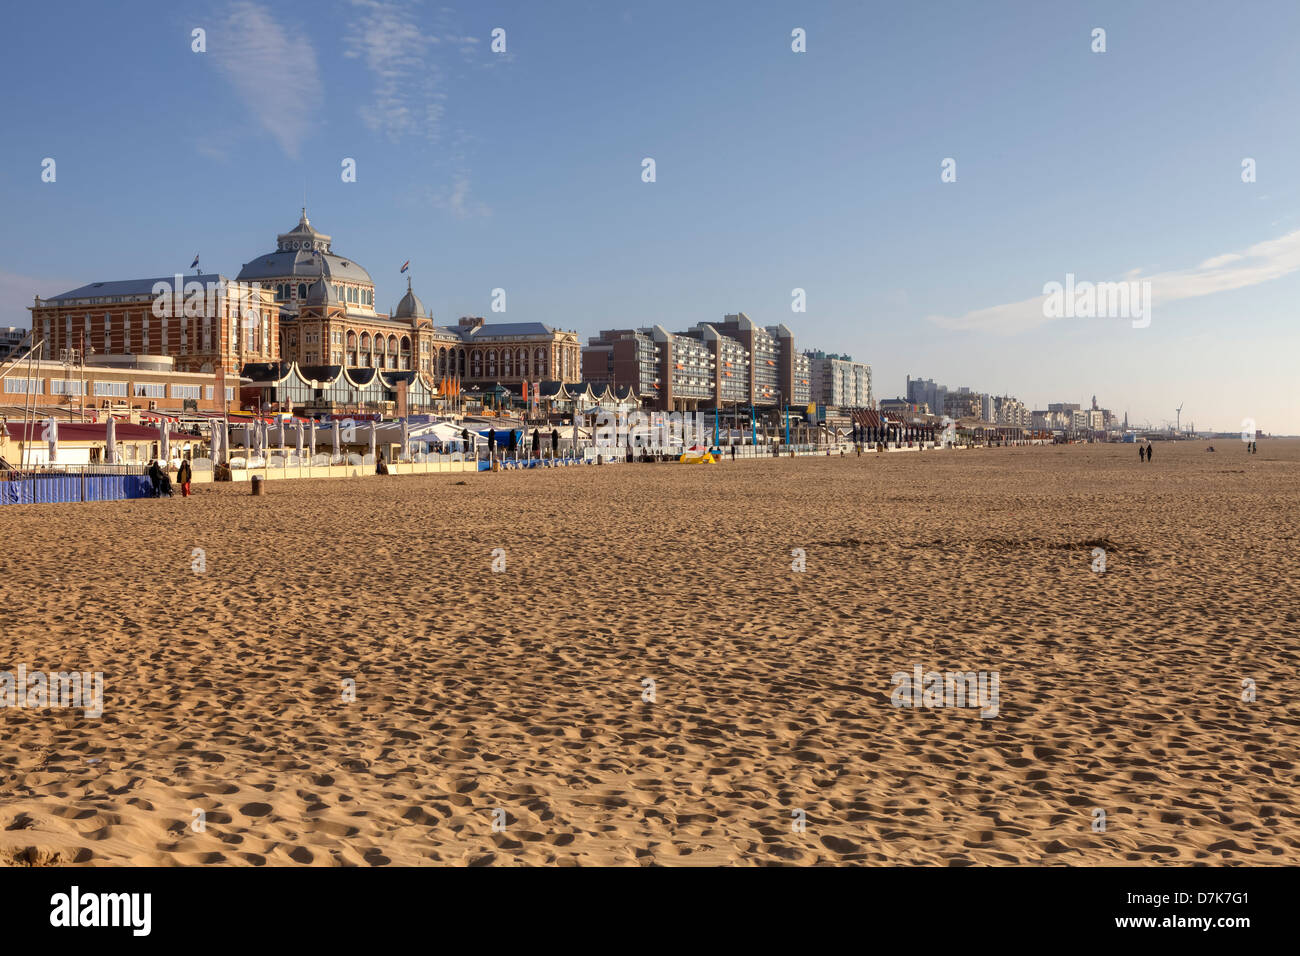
(447, 432)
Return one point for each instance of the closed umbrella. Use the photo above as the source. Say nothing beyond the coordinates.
(406, 439)
(575, 429)
(300, 442)
(312, 426)
(372, 438)
(52, 433)
(214, 446)
(163, 449)
(110, 441)
(336, 439)
(281, 427)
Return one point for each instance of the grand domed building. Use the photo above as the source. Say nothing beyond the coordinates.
(300, 256)
(328, 318)
(315, 323)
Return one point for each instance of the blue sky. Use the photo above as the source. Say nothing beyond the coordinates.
(775, 170)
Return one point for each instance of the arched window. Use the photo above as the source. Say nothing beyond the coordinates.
(405, 345)
(302, 290)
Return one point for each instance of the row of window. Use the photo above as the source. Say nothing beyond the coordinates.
(351, 294)
(76, 387)
(123, 335)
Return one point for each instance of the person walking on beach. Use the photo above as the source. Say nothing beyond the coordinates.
(733, 452)
(1142, 452)
(514, 443)
(183, 477)
(537, 443)
(555, 443)
(464, 439)
(492, 443)
(1150, 452)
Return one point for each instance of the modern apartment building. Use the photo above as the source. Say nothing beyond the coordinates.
(839, 381)
(621, 357)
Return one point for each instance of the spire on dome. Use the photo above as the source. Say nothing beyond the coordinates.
(410, 307)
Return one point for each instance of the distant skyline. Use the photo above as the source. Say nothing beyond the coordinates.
(775, 171)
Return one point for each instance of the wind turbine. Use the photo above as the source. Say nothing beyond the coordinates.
(1178, 427)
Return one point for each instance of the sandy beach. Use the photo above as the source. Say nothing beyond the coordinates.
(516, 698)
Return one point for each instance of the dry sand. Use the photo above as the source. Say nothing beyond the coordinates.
(522, 690)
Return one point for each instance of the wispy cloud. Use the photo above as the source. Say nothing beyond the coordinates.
(273, 70)
(457, 200)
(408, 98)
(1259, 263)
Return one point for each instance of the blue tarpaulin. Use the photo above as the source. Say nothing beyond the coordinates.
(58, 488)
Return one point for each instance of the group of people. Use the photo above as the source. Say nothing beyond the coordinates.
(161, 483)
(1145, 452)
